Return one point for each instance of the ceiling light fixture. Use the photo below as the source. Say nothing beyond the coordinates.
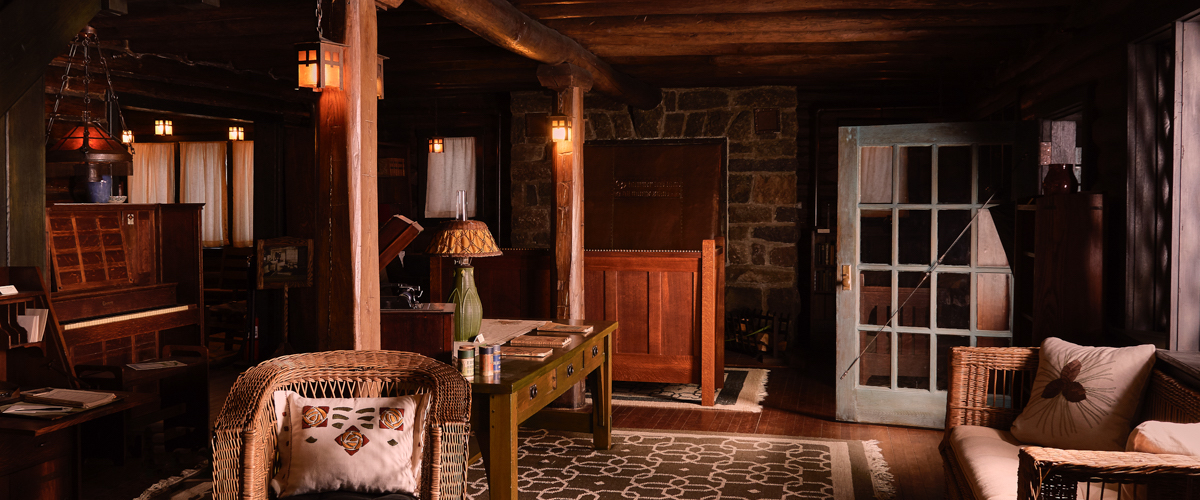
(88, 148)
(237, 133)
(437, 143)
(126, 137)
(320, 63)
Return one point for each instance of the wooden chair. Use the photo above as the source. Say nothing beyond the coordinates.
(244, 438)
(989, 387)
(228, 298)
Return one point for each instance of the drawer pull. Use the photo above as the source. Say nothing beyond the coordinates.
(595, 350)
(532, 391)
(570, 369)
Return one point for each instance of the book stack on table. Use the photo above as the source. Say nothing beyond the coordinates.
(52, 403)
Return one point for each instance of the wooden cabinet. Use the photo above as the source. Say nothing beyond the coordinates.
(428, 330)
(1067, 294)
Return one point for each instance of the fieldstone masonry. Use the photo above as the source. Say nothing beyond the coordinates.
(761, 211)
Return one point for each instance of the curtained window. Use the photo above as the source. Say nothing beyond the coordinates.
(153, 179)
(243, 194)
(449, 172)
(202, 180)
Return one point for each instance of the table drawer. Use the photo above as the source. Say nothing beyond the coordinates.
(27, 451)
(594, 355)
(572, 368)
(538, 393)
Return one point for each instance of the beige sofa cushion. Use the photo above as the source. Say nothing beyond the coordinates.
(988, 458)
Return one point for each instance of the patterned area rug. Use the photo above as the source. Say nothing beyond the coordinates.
(744, 389)
(694, 465)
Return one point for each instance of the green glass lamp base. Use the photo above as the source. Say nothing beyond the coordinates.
(468, 311)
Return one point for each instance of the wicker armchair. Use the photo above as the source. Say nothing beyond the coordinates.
(989, 387)
(244, 437)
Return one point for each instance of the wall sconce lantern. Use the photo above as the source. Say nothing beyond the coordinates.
(437, 144)
(560, 128)
(320, 64)
(126, 136)
(379, 75)
(163, 127)
(237, 133)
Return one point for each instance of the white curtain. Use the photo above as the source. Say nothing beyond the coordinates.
(450, 172)
(243, 193)
(202, 180)
(153, 179)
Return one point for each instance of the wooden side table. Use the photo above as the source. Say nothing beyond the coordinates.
(525, 386)
(427, 329)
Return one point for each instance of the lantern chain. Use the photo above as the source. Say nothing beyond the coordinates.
(112, 94)
(319, 15)
(62, 87)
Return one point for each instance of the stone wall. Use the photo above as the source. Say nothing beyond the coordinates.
(762, 171)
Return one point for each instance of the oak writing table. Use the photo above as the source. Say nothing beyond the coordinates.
(526, 385)
(41, 458)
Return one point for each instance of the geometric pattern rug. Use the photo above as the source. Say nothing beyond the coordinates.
(693, 465)
(744, 389)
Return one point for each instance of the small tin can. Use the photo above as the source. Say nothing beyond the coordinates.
(487, 360)
(496, 360)
(466, 360)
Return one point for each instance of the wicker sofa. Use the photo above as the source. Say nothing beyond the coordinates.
(244, 438)
(989, 387)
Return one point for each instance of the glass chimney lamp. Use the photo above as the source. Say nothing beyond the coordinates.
(319, 64)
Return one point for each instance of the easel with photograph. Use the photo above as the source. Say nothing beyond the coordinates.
(284, 263)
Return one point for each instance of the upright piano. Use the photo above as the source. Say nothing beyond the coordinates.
(128, 288)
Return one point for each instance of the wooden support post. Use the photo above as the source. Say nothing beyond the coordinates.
(570, 82)
(347, 242)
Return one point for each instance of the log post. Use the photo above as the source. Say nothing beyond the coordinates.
(347, 242)
(570, 82)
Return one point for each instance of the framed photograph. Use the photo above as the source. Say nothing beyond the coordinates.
(284, 262)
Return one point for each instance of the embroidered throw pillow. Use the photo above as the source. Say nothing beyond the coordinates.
(1083, 397)
(366, 445)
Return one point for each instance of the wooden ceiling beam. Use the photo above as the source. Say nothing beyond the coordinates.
(807, 22)
(704, 37)
(963, 47)
(557, 9)
(501, 23)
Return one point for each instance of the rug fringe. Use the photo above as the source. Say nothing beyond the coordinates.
(167, 483)
(881, 476)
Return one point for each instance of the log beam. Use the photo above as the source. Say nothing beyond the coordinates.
(570, 82)
(502, 24)
(347, 241)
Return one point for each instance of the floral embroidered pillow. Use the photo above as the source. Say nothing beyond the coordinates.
(366, 445)
(1084, 398)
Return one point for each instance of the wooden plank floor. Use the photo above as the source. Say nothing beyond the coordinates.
(798, 403)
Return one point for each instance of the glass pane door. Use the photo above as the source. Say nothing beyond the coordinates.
(928, 269)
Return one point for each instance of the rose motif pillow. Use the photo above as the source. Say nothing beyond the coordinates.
(366, 445)
(1084, 398)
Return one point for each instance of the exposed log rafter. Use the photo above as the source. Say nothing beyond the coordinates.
(502, 24)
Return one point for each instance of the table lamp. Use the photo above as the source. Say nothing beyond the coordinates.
(463, 239)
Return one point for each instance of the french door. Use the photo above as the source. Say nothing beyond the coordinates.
(909, 195)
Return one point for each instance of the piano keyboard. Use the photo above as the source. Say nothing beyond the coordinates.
(123, 317)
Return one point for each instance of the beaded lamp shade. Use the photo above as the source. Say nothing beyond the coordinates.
(463, 238)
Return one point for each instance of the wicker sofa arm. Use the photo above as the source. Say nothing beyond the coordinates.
(988, 385)
(1048, 473)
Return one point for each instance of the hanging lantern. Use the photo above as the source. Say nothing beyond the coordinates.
(88, 149)
(320, 64)
(560, 128)
(163, 127)
(237, 133)
(437, 144)
(126, 136)
(379, 75)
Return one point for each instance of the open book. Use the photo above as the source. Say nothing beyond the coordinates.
(68, 397)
